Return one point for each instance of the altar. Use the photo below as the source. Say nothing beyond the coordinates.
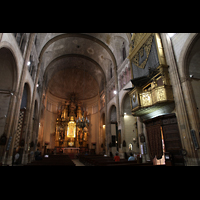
(71, 150)
(72, 125)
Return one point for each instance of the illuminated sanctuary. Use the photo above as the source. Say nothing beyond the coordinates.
(95, 94)
(71, 125)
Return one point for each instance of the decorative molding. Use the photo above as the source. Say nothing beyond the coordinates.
(140, 53)
(138, 39)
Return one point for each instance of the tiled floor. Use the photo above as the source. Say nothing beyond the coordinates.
(77, 162)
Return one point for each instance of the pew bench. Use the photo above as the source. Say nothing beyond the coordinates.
(108, 161)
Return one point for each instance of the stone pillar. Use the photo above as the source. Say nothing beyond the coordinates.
(106, 121)
(192, 112)
(140, 130)
(1, 35)
(181, 109)
(117, 96)
(147, 157)
(122, 150)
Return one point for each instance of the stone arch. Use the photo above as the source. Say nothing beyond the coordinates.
(82, 36)
(182, 62)
(8, 84)
(190, 95)
(35, 121)
(122, 102)
(16, 70)
(128, 121)
(25, 107)
(112, 116)
(103, 131)
(22, 125)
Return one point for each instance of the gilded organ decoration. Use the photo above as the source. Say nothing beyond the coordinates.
(146, 99)
(145, 47)
(151, 82)
(161, 94)
(137, 37)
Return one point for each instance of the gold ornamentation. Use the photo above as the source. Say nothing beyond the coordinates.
(137, 37)
(71, 130)
(147, 47)
(146, 99)
(161, 94)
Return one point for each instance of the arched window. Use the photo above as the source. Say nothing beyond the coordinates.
(21, 40)
(127, 75)
(23, 43)
(124, 79)
(18, 38)
(121, 81)
(32, 70)
(31, 64)
(111, 74)
(123, 51)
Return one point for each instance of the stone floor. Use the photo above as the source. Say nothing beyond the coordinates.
(77, 162)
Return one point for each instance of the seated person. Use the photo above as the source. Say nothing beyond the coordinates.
(131, 158)
(117, 158)
(38, 155)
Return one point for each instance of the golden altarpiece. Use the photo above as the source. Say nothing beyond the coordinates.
(71, 125)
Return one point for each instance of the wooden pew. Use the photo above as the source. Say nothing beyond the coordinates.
(53, 160)
(108, 161)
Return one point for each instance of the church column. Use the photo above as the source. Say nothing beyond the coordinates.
(117, 97)
(142, 129)
(98, 148)
(8, 155)
(42, 115)
(29, 121)
(181, 111)
(146, 157)
(193, 116)
(1, 35)
(107, 134)
(122, 149)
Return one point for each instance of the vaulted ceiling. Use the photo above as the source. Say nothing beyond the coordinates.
(77, 62)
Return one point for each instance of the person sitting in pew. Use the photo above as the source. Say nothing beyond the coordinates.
(38, 155)
(117, 158)
(131, 158)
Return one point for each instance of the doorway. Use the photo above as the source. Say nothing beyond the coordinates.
(163, 137)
